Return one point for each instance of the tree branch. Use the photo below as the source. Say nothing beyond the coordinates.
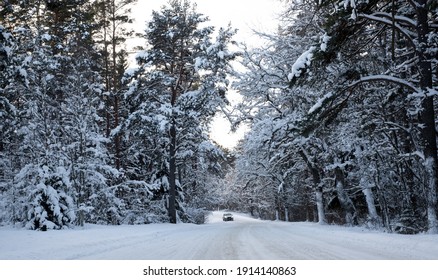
(389, 22)
(410, 22)
(385, 78)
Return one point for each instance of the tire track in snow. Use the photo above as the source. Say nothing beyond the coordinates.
(253, 240)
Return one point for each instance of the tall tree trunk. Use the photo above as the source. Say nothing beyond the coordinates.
(106, 70)
(318, 188)
(382, 199)
(373, 217)
(172, 174)
(172, 161)
(345, 201)
(320, 205)
(427, 115)
(115, 86)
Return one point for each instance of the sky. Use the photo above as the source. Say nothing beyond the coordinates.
(246, 16)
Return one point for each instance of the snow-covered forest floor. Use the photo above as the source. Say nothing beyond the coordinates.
(244, 238)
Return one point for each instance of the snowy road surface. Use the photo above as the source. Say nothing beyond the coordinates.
(245, 238)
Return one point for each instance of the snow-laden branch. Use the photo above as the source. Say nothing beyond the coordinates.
(408, 34)
(320, 102)
(414, 154)
(369, 79)
(401, 19)
(385, 78)
(301, 63)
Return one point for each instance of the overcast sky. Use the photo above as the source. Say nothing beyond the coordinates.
(245, 15)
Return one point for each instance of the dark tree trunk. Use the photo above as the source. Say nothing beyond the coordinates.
(116, 86)
(172, 162)
(427, 116)
(172, 175)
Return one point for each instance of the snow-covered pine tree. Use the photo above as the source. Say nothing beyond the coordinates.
(91, 174)
(43, 179)
(8, 118)
(38, 192)
(183, 79)
(61, 164)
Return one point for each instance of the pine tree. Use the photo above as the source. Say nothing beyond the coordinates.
(60, 159)
(183, 75)
(8, 120)
(113, 19)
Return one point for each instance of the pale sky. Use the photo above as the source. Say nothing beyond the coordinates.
(245, 15)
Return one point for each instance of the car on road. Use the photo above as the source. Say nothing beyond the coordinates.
(227, 217)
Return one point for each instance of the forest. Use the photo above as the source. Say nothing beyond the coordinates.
(340, 103)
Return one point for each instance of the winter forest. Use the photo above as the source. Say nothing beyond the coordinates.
(340, 104)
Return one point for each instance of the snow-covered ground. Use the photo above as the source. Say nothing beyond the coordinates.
(244, 238)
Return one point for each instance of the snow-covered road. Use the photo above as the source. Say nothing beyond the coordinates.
(245, 238)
